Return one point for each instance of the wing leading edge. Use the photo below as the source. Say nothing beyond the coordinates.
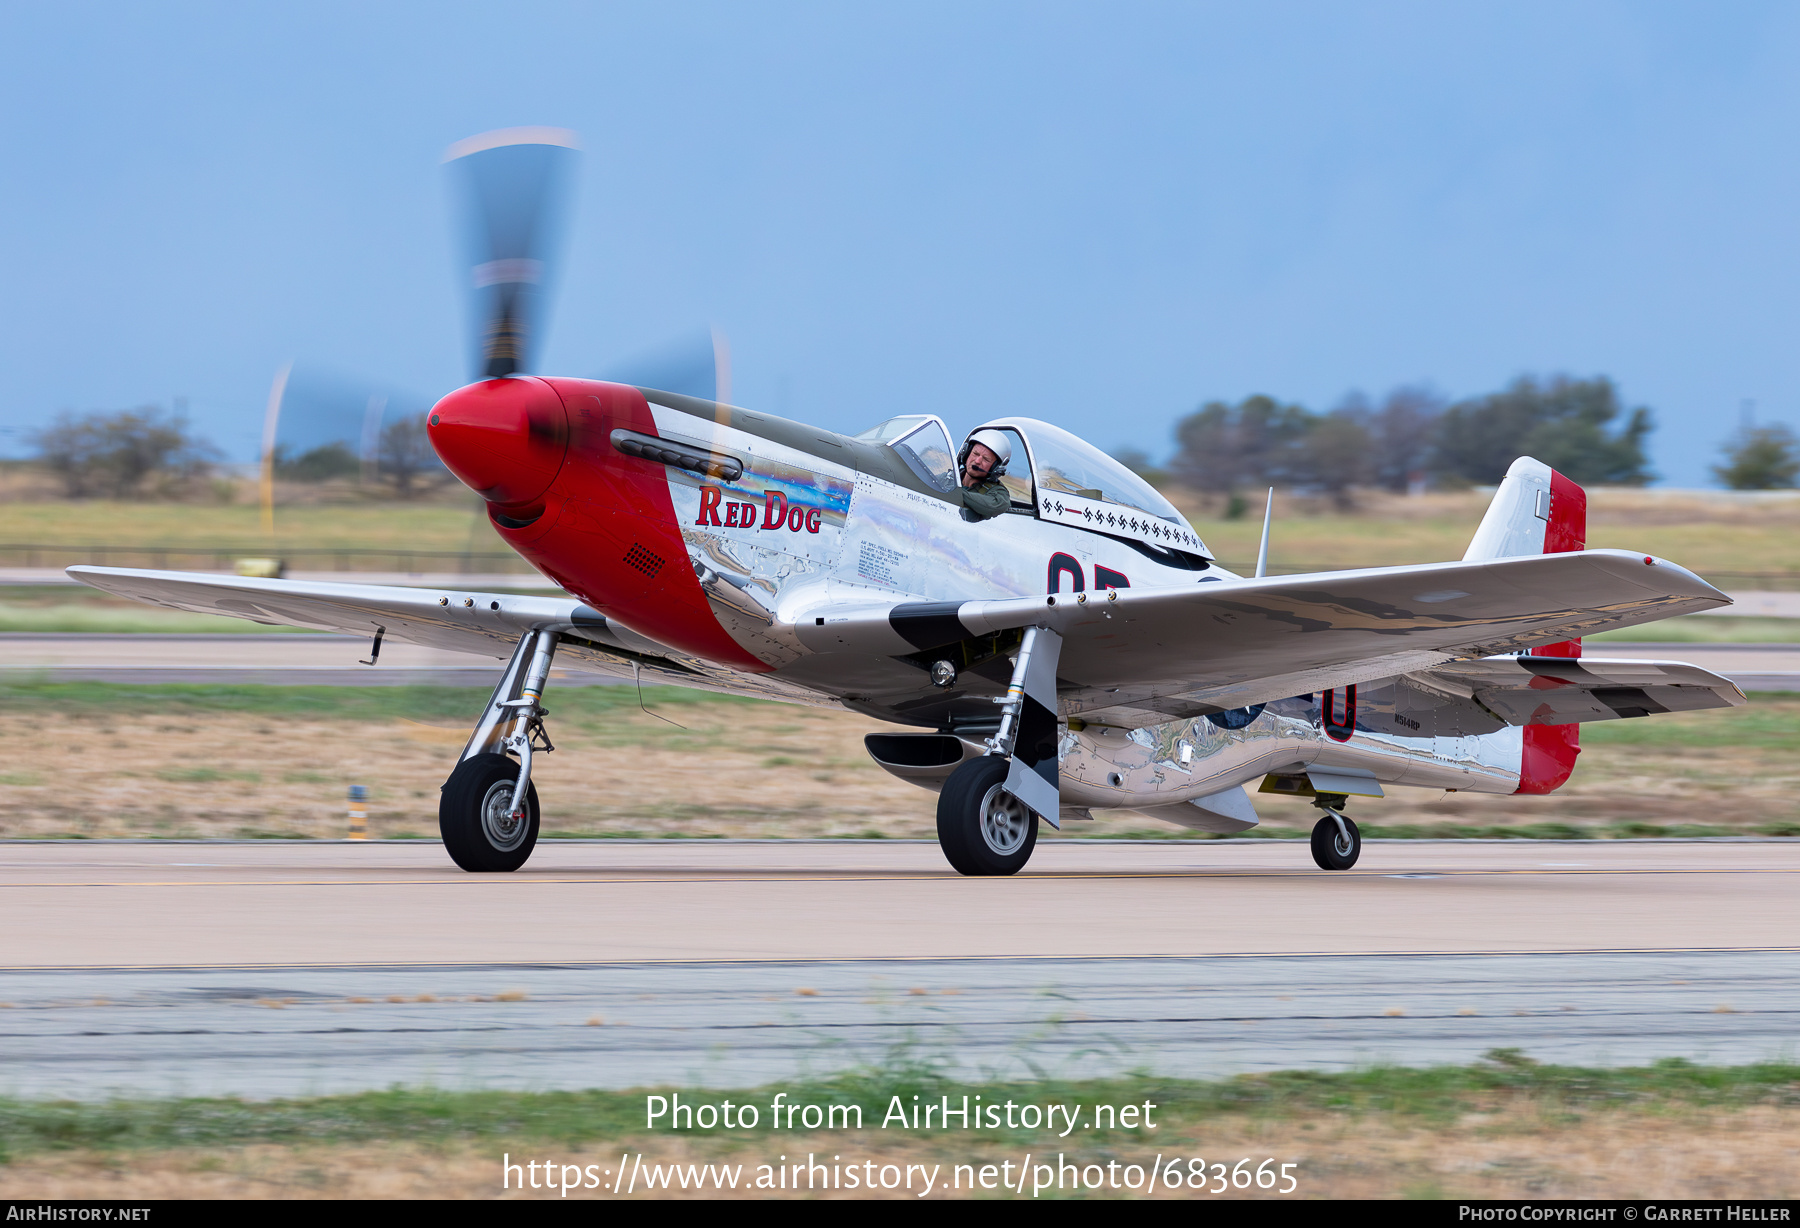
(485, 624)
(1157, 654)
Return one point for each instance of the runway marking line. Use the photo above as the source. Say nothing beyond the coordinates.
(575, 965)
(826, 876)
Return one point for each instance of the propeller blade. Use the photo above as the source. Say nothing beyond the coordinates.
(512, 188)
(696, 364)
(323, 425)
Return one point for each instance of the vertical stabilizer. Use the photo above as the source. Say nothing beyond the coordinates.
(1537, 511)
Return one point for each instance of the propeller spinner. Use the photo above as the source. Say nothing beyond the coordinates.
(506, 438)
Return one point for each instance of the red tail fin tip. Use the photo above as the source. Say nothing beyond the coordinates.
(1548, 757)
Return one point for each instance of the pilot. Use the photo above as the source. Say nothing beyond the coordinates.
(981, 462)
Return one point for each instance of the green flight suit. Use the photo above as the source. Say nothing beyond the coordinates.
(987, 498)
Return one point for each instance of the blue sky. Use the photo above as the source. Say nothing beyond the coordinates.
(1097, 214)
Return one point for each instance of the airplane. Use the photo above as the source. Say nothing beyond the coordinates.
(1081, 649)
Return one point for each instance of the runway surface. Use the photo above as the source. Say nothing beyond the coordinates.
(232, 659)
(267, 969)
(332, 660)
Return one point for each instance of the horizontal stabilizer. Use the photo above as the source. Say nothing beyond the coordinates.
(1570, 690)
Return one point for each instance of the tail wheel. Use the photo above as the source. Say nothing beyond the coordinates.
(982, 828)
(475, 816)
(1334, 849)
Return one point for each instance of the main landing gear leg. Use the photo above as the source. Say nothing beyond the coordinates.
(1336, 844)
(989, 808)
(488, 811)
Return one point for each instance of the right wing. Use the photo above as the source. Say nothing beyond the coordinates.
(486, 624)
(1139, 656)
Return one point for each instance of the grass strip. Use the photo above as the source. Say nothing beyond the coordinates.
(91, 620)
(347, 703)
(1770, 720)
(1431, 1095)
(1699, 629)
(1387, 531)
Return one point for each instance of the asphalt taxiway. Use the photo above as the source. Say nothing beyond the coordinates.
(273, 969)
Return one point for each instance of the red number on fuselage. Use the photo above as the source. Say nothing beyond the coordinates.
(1063, 564)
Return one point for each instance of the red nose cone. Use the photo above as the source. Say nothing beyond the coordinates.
(505, 438)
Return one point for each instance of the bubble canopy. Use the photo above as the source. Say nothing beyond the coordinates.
(1057, 476)
(1066, 463)
(1075, 483)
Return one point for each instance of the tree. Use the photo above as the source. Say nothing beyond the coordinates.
(1335, 454)
(407, 456)
(128, 454)
(1760, 458)
(1260, 442)
(321, 464)
(1253, 443)
(1563, 422)
(1138, 461)
(1403, 437)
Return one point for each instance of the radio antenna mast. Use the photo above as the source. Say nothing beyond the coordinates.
(1262, 551)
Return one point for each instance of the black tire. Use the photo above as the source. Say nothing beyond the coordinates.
(978, 821)
(478, 785)
(1328, 844)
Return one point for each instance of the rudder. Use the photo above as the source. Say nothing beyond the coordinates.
(1537, 510)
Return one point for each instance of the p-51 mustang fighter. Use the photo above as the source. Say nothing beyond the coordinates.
(1069, 647)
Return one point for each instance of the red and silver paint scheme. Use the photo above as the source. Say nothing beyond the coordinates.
(710, 546)
(739, 547)
(1083, 650)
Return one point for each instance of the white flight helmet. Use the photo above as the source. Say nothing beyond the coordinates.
(996, 442)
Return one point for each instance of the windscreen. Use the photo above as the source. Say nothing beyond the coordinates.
(891, 429)
(927, 450)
